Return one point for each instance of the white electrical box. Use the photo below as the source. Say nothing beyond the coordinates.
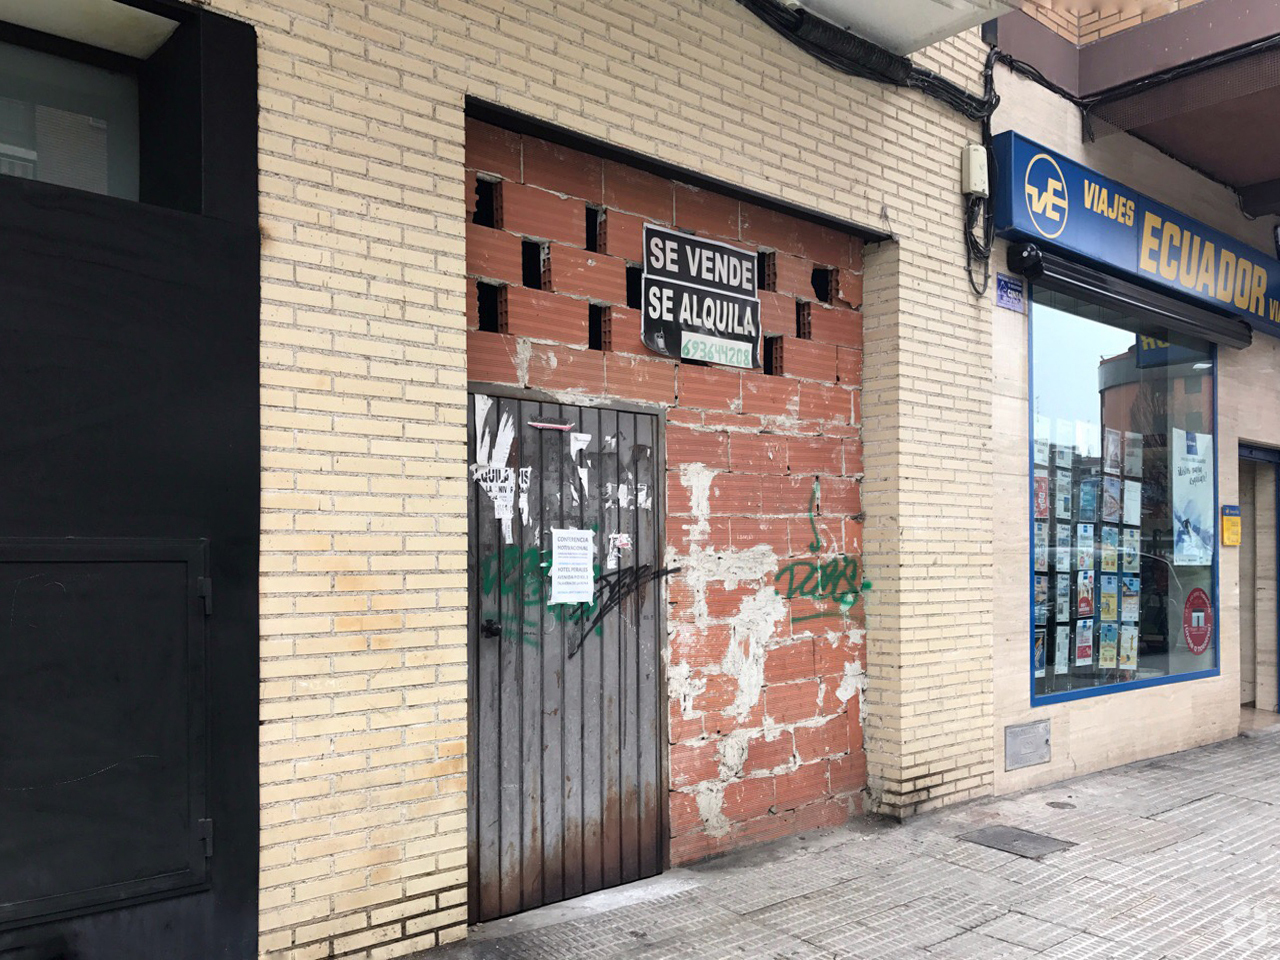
(973, 171)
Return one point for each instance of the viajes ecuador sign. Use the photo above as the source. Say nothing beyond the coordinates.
(699, 299)
(1043, 197)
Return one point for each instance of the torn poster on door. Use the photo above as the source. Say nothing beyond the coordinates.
(572, 566)
(500, 484)
(526, 474)
(577, 443)
(619, 543)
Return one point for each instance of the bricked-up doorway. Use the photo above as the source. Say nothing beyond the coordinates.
(762, 467)
(568, 793)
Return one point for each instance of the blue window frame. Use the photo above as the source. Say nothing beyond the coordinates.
(1124, 502)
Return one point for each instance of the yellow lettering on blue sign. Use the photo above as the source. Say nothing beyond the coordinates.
(1180, 256)
(1115, 206)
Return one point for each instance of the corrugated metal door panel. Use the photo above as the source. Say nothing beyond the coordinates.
(567, 777)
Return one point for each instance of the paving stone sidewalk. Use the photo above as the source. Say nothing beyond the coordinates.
(1174, 858)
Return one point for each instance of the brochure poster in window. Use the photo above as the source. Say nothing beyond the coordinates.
(1062, 649)
(1194, 523)
(1062, 598)
(1084, 593)
(1042, 441)
(1062, 544)
(1040, 653)
(1042, 544)
(1128, 659)
(1088, 500)
(1062, 494)
(1133, 503)
(1109, 598)
(1084, 643)
(1109, 553)
(1042, 600)
(1111, 500)
(1108, 640)
(1041, 495)
(1084, 546)
(1130, 592)
(1112, 458)
(1133, 455)
(1131, 551)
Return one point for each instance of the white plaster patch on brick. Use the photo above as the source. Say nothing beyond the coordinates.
(710, 799)
(524, 351)
(854, 682)
(733, 754)
(683, 686)
(696, 478)
(753, 627)
(729, 567)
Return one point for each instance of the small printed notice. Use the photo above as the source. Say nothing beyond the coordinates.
(572, 566)
(1009, 292)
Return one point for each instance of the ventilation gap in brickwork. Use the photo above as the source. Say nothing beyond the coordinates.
(767, 270)
(595, 326)
(486, 214)
(771, 356)
(491, 302)
(594, 215)
(804, 320)
(824, 284)
(532, 254)
(633, 286)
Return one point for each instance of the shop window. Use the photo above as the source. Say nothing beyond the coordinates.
(1123, 502)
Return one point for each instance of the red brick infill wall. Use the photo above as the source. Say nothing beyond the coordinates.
(763, 513)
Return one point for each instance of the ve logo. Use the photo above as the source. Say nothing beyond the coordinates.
(1046, 195)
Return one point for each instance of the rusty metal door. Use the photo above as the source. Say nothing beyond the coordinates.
(568, 791)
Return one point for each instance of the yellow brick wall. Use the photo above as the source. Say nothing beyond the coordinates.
(363, 421)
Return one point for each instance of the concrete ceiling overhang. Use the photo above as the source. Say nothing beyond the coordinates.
(905, 26)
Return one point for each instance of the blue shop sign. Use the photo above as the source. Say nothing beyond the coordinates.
(1043, 197)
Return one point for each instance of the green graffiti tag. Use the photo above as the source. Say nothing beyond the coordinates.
(835, 582)
(517, 577)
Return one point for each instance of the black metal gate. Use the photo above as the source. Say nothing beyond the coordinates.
(568, 793)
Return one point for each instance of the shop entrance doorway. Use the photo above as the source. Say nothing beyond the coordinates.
(1259, 613)
(566, 630)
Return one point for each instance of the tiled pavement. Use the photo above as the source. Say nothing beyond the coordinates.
(1174, 859)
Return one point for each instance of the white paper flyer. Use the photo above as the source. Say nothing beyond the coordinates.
(572, 566)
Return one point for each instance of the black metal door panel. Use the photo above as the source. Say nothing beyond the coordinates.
(567, 783)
